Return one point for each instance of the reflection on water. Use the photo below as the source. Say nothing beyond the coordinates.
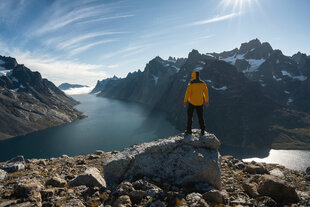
(293, 159)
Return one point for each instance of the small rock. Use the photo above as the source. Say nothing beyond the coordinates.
(240, 165)
(80, 162)
(153, 192)
(26, 204)
(195, 200)
(123, 188)
(90, 178)
(7, 203)
(277, 172)
(17, 159)
(99, 152)
(56, 182)
(13, 167)
(42, 162)
(48, 193)
(266, 201)
(250, 189)
(308, 170)
(137, 195)
(93, 157)
(65, 156)
(29, 189)
(277, 189)
(215, 196)
(144, 185)
(255, 169)
(238, 201)
(157, 203)
(122, 201)
(3, 174)
(307, 178)
(73, 202)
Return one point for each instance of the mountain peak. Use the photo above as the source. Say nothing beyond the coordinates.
(252, 44)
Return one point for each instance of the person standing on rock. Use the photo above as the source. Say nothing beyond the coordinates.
(195, 92)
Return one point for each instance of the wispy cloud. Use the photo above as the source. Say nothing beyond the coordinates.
(69, 43)
(106, 18)
(127, 51)
(215, 19)
(87, 46)
(62, 15)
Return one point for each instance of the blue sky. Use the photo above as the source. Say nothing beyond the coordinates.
(85, 41)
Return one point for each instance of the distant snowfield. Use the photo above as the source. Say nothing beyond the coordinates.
(75, 91)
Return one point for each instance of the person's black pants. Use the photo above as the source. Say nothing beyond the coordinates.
(190, 112)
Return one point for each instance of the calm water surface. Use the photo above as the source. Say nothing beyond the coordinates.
(111, 125)
(114, 125)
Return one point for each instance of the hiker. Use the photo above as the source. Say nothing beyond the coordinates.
(196, 90)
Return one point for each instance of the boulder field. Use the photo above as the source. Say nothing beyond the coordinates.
(182, 170)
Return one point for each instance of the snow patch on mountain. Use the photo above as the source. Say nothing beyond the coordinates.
(199, 68)
(232, 59)
(14, 79)
(289, 101)
(287, 92)
(176, 68)
(155, 79)
(299, 77)
(254, 65)
(4, 71)
(277, 79)
(220, 89)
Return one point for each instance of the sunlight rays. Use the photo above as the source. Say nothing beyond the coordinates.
(238, 6)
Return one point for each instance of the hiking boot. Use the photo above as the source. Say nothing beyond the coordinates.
(202, 132)
(188, 132)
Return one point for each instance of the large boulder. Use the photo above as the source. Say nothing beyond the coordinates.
(277, 189)
(181, 159)
(29, 189)
(90, 178)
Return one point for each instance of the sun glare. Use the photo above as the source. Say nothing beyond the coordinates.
(238, 6)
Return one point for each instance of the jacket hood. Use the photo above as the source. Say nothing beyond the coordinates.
(194, 75)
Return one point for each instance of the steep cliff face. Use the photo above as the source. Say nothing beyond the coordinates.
(244, 109)
(29, 103)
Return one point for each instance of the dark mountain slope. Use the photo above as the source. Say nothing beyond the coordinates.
(29, 103)
(242, 110)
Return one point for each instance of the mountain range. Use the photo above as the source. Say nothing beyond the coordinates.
(29, 102)
(67, 86)
(259, 97)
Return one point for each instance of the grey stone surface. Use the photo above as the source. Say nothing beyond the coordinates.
(17, 159)
(90, 178)
(181, 159)
(2, 174)
(12, 167)
(277, 189)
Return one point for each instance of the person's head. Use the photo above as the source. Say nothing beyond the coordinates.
(195, 75)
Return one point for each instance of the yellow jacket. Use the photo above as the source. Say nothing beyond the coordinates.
(196, 90)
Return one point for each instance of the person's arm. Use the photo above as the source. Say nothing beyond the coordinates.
(206, 95)
(187, 94)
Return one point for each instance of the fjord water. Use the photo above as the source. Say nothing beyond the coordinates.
(113, 125)
(110, 125)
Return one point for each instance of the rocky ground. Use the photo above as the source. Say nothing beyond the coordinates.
(63, 182)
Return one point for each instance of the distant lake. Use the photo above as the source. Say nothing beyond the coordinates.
(113, 125)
